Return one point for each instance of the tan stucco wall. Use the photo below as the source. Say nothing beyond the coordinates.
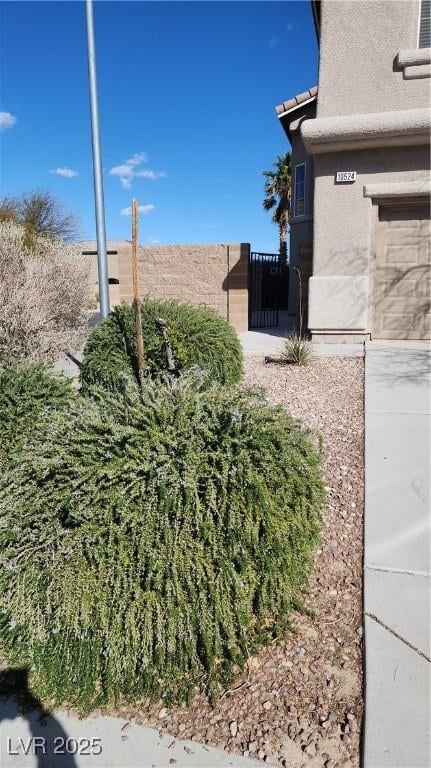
(360, 43)
(214, 275)
(301, 227)
(344, 230)
(301, 244)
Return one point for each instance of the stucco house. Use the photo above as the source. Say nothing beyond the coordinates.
(360, 226)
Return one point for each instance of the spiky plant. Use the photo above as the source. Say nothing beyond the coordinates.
(198, 337)
(150, 541)
(26, 390)
(297, 350)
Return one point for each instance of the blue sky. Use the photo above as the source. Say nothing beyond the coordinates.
(187, 92)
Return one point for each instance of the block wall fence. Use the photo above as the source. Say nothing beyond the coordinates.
(212, 275)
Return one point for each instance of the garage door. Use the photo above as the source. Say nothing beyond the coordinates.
(402, 273)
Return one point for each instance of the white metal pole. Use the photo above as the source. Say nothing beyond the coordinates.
(102, 264)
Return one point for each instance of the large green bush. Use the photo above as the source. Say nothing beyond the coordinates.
(150, 541)
(26, 390)
(198, 336)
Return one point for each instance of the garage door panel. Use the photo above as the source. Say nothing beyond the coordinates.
(407, 237)
(402, 273)
(407, 317)
(423, 289)
(412, 280)
(402, 289)
(404, 234)
(402, 254)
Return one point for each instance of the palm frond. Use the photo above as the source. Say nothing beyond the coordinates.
(278, 189)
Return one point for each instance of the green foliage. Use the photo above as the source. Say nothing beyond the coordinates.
(297, 350)
(25, 391)
(150, 540)
(199, 337)
(278, 196)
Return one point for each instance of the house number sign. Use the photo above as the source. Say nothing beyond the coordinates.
(343, 176)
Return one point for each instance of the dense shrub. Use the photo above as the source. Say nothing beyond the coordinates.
(151, 542)
(25, 391)
(44, 296)
(197, 334)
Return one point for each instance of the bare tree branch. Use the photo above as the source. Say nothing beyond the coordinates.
(41, 214)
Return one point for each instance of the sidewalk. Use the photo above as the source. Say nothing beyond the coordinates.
(271, 342)
(397, 555)
(101, 742)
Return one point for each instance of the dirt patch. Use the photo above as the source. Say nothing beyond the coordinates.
(299, 704)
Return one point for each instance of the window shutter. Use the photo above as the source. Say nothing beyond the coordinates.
(425, 25)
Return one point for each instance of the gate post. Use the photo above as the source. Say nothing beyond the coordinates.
(237, 285)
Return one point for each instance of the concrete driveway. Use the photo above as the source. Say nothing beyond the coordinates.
(397, 555)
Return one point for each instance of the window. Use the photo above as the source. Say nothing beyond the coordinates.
(424, 40)
(300, 189)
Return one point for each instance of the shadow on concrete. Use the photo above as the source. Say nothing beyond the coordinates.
(403, 362)
(44, 733)
(286, 324)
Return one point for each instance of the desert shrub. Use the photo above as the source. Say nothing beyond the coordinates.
(150, 541)
(44, 296)
(198, 335)
(26, 390)
(40, 213)
(297, 350)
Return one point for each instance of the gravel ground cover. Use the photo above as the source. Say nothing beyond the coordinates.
(299, 703)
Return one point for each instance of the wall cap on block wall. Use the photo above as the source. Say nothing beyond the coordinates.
(401, 128)
(338, 303)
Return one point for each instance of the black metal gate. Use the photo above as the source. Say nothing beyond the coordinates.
(268, 289)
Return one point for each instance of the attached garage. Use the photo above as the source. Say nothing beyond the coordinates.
(402, 278)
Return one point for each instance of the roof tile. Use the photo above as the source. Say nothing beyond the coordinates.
(296, 100)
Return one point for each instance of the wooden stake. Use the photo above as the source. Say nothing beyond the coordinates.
(136, 297)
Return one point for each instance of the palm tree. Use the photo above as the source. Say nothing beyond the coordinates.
(278, 195)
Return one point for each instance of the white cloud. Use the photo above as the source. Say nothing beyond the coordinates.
(127, 171)
(7, 120)
(68, 173)
(290, 26)
(141, 208)
(273, 42)
(126, 174)
(149, 174)
(137, 159)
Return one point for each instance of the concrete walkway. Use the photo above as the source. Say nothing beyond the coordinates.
(264, 343)
(397, 555)
(270, 341)
(100, 742)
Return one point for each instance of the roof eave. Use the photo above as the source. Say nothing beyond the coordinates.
(294, 114)
(297, 107)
